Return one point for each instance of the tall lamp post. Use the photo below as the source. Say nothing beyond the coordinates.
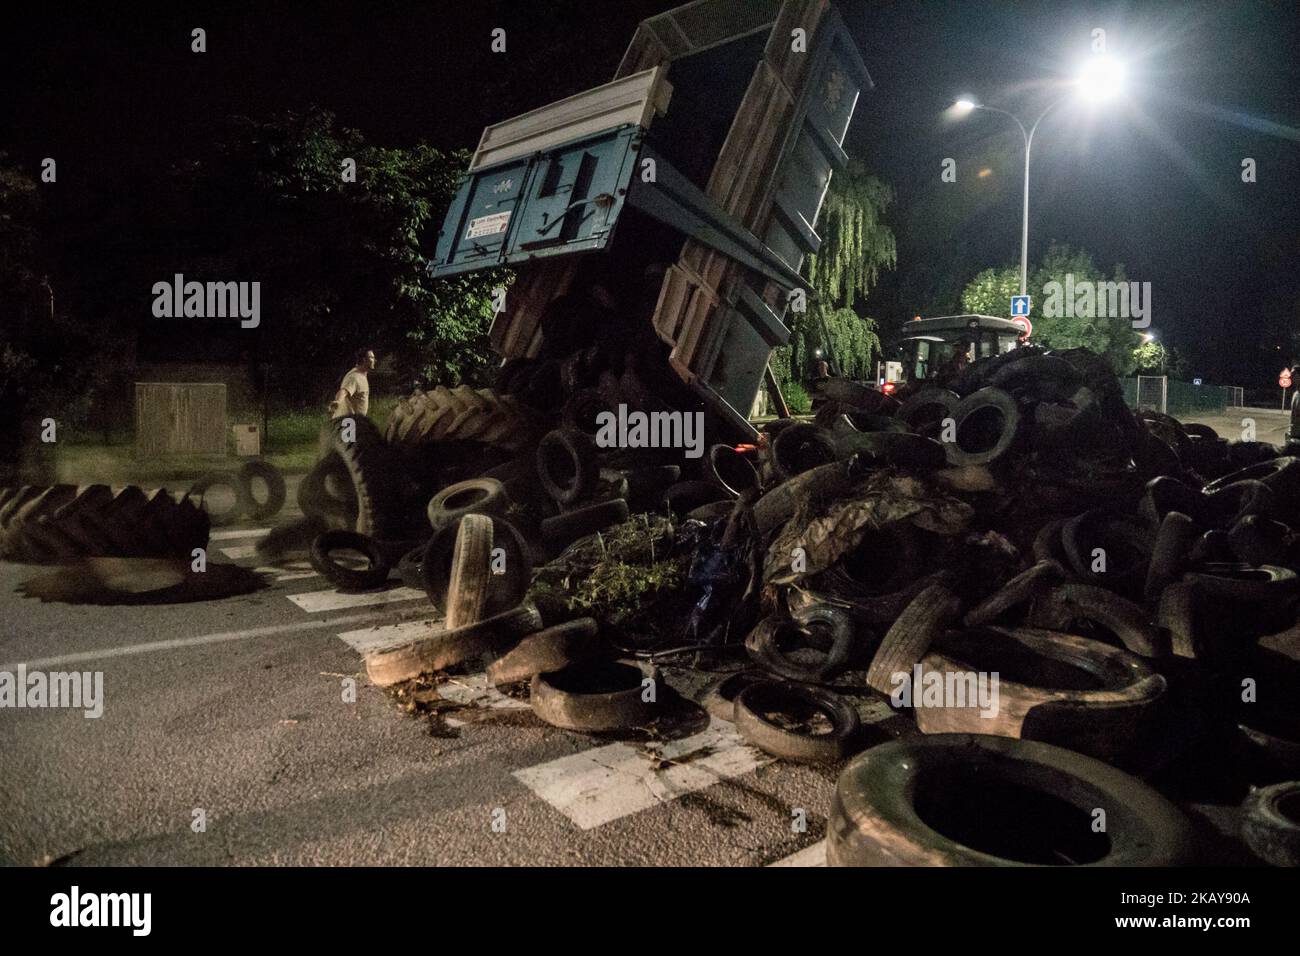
(1100, 79)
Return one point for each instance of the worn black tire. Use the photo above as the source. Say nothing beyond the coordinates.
(801, 448)
(1129, 622)
(1021, 589)
(779, 504)
(879, 807)
(288, 538)
(853, 394)
(567, 465)
(754, 701)
(408, 567)
(1271, 823)
(275, 489)
(987, 423)
(894, 448)
(550, 649)
(462, 414)
(1164, 494)
(1114, 533)
(720, 697)
(713, 511)
(596, 696)
(686, 496)
(1170, 553)
(1266, 583)
(198, 492)
(349, 579)
(764, 649)
(1179, 615)
(476, 496)
(449, 648)
(1257, 540)
(55, 523)
(1041, 377)
(646, 486)
(925, 411)
(1107, 702)
(1048, 545)
(909, 638)
(506, 590)
(469, 586)
(374, 473)
(316, 500)
(563, 529)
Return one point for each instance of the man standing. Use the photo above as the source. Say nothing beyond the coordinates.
(353, 396)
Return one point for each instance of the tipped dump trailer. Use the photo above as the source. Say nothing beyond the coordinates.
(684, 192)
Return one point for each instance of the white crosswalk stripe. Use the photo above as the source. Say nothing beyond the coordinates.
(598, 786)
(814, 855)
(234, 534)
(239, 552)
(317, 602)
(385, 636)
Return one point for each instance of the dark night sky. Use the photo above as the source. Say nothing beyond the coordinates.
(1153, 182)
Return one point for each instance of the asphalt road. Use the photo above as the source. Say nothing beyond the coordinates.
(236, 708)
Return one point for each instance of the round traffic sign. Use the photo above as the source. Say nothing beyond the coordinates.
(1025, 324)
(1284, 379)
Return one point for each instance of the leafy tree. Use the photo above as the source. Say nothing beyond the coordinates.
(1156, 358)
(48, 366)
(341, 262)
(856, 247)
(989, 293)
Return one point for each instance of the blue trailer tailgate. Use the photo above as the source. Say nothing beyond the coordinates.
(565, 200)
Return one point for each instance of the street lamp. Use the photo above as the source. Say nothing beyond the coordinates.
(1100, 78)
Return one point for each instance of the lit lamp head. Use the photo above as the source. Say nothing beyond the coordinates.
(963, 106)
(1101, 78)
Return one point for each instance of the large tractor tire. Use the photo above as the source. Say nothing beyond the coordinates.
(375, 475)
(56, 523)
(462, 414)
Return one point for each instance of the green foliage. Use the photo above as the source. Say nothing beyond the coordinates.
(1155, 358)
(856, 246)
(797, 398)
(989, 293)
(856, 243)
(50, 363)
(341, 262)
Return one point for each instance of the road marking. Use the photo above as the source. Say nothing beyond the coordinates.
(229, 534)
(316, 602)
(814, 855)
(240, 552)
(280, 575)
(179, 642)
(596, 786)
(476, 690)
(386, 636)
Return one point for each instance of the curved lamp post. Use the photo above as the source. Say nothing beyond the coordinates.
(1101, 78)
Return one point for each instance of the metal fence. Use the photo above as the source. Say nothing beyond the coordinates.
(1179, 398)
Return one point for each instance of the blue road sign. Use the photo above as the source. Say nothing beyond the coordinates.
(1196, 381)
(1020, 306)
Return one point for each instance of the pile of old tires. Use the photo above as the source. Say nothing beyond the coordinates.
(1121, 573)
